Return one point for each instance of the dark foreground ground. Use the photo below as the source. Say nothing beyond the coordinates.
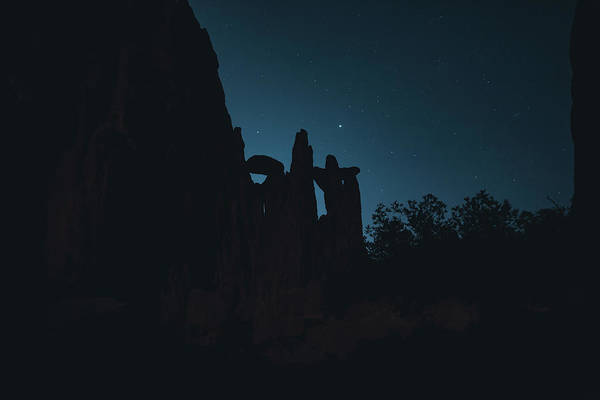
(517, 352)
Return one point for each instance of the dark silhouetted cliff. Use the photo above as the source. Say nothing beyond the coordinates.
(147, 215)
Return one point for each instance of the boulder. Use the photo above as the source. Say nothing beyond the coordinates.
(264, 165)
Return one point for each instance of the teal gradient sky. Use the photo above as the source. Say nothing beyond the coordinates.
(424, 96)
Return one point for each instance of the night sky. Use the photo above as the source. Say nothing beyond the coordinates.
(442, 97)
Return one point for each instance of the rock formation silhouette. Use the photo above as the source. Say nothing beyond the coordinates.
(144, 189)
(265, 165)
(331, 181)
(585, 88)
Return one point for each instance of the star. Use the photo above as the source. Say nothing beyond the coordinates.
(339, 125)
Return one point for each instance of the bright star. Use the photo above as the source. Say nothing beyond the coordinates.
(340, 125)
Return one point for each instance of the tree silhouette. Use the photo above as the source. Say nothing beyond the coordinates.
(389, 233)
(483, 249)
(398, 227)
(546, 223)
(482, 218)
(427, 220)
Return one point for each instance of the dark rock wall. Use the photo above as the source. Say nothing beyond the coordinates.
(147, 162)
(142, 193)
(585, 88)
(585, 64)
